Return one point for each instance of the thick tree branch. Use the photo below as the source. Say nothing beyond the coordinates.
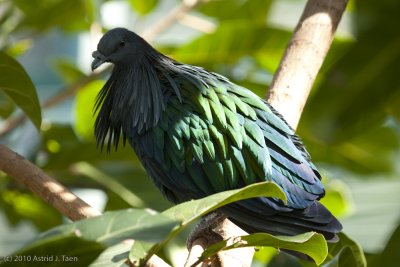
(289, 91)
(303, 57)
(44, 186)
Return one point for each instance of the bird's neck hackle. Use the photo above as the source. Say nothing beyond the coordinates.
(130, 102)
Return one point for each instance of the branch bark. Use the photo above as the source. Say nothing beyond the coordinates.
(288, 93)
(303, 57)
(33, 178)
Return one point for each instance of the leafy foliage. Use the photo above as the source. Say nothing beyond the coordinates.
(351, 121)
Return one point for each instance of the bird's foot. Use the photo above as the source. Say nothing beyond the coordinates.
(204, 229)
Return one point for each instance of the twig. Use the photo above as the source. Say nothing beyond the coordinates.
(291, 86)
(174, 15)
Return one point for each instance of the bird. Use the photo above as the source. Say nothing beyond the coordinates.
(196, 133)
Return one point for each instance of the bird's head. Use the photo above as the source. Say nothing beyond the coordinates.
(120, 47)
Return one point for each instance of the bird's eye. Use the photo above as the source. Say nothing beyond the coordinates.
(121, 44)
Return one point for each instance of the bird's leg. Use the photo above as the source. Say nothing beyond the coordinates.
(204, 229)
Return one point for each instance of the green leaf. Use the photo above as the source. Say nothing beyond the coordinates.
(57, 251)
(311, 244)
(345, 253)
(143, 7)
(15, 82)
(108, 229)
(188, 212)
(83, 110)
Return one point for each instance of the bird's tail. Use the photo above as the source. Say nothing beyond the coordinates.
(254, 216)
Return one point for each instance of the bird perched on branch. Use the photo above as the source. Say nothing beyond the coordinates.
(196, 134)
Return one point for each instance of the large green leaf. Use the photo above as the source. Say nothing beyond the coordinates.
(15, 82)
(106, 230)
(311, 244)
(56, 251)
(188, 212)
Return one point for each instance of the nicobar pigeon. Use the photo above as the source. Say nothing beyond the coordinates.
(196, 134)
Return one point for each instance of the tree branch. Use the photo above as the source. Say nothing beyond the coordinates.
(289, 91)
(303, 57)
(44, 186)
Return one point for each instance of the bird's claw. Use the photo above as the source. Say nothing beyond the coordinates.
(204, 229)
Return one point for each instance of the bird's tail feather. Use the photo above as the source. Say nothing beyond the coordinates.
(253, 217)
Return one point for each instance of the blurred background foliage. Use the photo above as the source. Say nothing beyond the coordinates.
(350, 125)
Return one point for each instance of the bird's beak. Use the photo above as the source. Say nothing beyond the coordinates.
(98, 59)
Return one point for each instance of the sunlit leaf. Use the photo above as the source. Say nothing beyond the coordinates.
(15, 82)
(311, 244)
(108, 229)
(188, 212)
